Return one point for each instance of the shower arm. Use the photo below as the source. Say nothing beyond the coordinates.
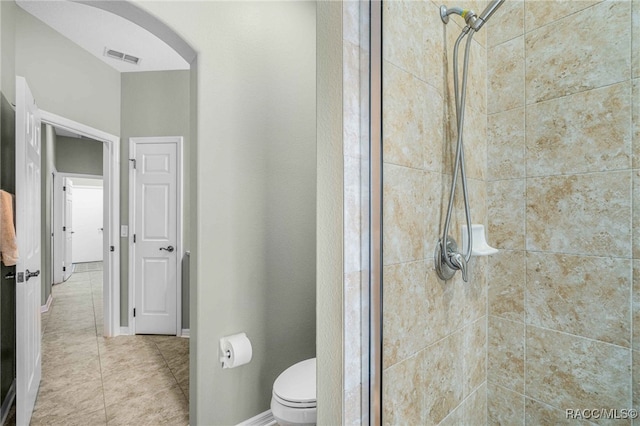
(468, 15)
(474, 21)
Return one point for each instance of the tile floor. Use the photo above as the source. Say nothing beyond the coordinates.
(91, 380)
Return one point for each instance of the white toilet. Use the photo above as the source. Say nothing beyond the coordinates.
(293, 399)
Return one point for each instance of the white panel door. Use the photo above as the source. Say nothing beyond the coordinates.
(87, 224)
(28, 351)
(58, 234)
(156, 237)
(67, 229)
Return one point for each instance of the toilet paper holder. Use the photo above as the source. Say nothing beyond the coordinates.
(235, 350)
(226, 357)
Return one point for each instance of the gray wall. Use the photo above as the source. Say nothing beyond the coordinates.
(64, 78)
(9, 11)
(330, 214)
(82, 156)
(153, 104)
(7, 46)
(256, 126)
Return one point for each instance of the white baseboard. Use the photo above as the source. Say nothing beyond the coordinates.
(262, 419)
(7, 403)
(124, 331)
(44, 308)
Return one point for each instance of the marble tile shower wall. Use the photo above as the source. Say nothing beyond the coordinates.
(434, 332)
(563, 200)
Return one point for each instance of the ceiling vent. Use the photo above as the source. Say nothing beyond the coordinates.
(121, 56)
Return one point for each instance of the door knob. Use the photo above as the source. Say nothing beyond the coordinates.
(169, 249)
(31, 274)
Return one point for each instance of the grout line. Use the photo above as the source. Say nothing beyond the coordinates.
(634, 182)
(564, 175)
(524, 214)
(104, 397)
(566, 95)
(577, 336)
(170, 370)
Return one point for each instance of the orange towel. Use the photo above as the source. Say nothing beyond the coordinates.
(8, 243)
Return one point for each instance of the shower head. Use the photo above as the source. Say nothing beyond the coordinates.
(486, 14)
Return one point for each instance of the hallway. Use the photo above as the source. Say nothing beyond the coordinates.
(91, 380)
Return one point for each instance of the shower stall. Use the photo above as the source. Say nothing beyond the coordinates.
(546, 330)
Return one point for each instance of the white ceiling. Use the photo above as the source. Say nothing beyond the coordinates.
(95, 29)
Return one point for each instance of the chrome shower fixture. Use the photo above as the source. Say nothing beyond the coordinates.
(447, 258)
(486, 14)
(468, 15)
(475, 22)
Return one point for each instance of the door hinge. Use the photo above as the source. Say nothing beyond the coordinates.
(64, 228)
(64, 188)
(64, 268)
(134, 312)
(134, 238)
(112, 248)
(133, 160)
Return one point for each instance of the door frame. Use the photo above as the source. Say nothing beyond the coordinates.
(111, 215)
(58, 209)
(178, 140)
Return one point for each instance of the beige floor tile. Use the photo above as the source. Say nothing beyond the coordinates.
(173, 348)
(142, 380)
(82, 318)
(184, 385)
(73, 327)
(62, 399)
(160, 408)
(95, 418)
(134, 357)
(127, 384)
(180, 369)
(71, 350)
(82, 369)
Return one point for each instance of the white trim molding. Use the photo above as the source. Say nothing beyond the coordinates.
(262, 419)
(184, 333)
(111, 235)
(45, 308)
(124, 331)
